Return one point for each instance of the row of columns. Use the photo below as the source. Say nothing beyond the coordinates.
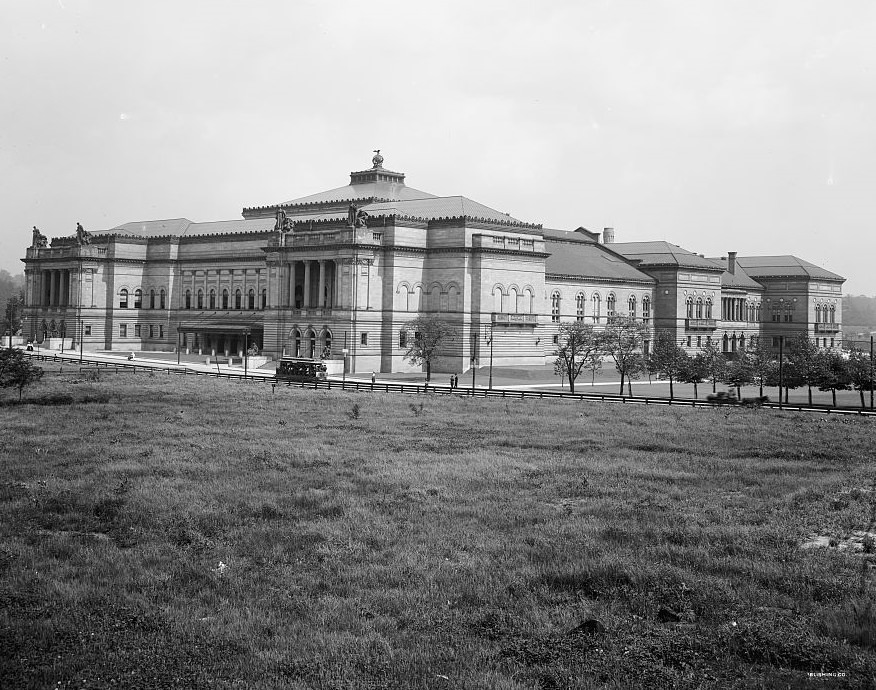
(733, 309)
(55, 287)
(327, 275)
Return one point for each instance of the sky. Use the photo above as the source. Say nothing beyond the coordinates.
(742, 126)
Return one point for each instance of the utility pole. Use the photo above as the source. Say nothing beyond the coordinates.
(474, 361)
(245, 351)
(871, 372)
(79, 308)
(781, 367)
(490, 386)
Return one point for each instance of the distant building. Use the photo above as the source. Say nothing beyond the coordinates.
(337, 275)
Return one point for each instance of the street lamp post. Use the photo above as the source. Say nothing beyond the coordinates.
(781, 366)
(245, 351)
(490, 341)
(178, 344)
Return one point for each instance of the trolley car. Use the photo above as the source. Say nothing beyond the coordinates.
(300, 369)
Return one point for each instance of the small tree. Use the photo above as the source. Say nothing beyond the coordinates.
(715, 362)
(807, 362)
(764, 366)
(578, 346)
(622, 341)
(16, 371)
(12, 316)
(667, 359)
(430, 335)
(694, 370)
(860, 373)
(833, 373)
(739, 372)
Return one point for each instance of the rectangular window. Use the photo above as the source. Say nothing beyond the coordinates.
(161, 331)
(775, 342)
(403, 339)
(831, 342)
(688, 341)
(123, 330)
(88, 330)
(136, 330)
(556, 340)
(699, 341)
(151, 331)
(363, 338)
(646, 347)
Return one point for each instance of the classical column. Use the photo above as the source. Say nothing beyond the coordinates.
(339, 293)
(292, 284)
(66, 290)
(320, 299)
(306, 303)
(53, 289)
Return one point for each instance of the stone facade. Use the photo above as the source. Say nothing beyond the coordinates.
(337, 275)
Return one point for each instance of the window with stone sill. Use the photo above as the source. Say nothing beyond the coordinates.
(136, 330)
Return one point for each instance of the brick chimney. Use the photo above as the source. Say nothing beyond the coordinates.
(731, 262)
(607, 235)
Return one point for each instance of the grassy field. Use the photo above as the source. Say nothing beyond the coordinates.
(178, 532)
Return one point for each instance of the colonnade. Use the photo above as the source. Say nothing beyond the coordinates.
(55, 287)
(310, 284)
(733, 309)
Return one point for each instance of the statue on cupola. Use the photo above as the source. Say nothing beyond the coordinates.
(378, 159)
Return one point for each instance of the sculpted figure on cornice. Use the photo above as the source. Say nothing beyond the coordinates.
(82, 235)
(39, 239)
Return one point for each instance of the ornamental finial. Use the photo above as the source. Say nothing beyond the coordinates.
(378, 159)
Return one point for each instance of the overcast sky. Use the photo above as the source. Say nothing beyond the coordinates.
(718, 126)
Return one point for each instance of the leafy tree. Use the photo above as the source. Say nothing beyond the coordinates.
(861, 375)
(715, 362)
(667, 358)
(578, 346)
(764, 365)
(807, 362)
(693, 370)
(622, 341)
(833, 373)
(430, 335)
(739, 372)
(16, 371)
(12, 317)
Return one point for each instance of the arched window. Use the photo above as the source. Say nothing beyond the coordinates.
(264, 298)
(200, 299)
(212, 298)
(452, 298)
(251, 299)
(327, 344)
(497, 299)
(555, 306)
(528, 299)
(162, 302)
(631, 306)
(138, 299)
(123, 299)
(296, 343)
(512, 300)
(689, 308)
(832, 313)
(225, 299)
(646, 308)
(62, 329)
(742, 342)
(699, 308)
(726, 344)
(596, 301)
(610, 305)
(237, 299)
(188, 299)
(152, 299)
(708, 307)
(817, 313)
(579, 306)
(311, 343)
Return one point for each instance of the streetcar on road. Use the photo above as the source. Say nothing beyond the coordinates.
(300, 369)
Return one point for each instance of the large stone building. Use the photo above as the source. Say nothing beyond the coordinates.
(337, 275)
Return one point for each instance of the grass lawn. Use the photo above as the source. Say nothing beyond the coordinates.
(164, 531)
